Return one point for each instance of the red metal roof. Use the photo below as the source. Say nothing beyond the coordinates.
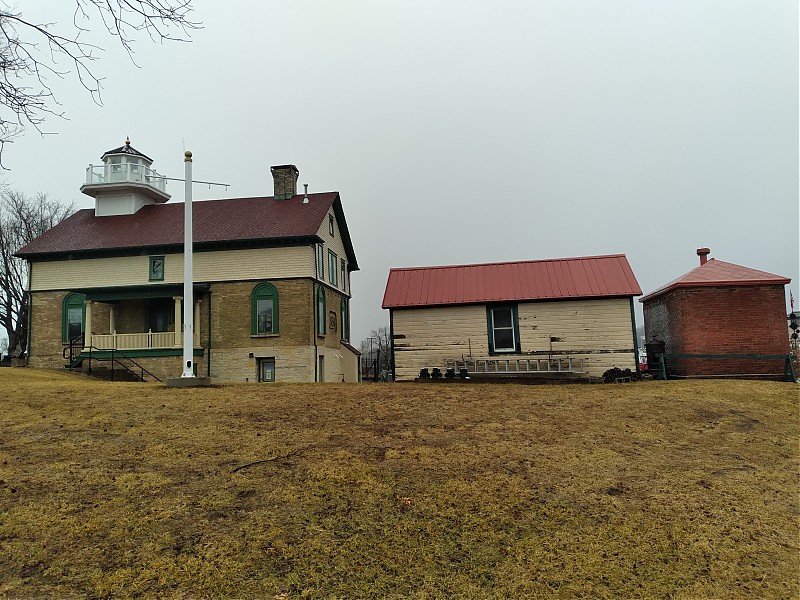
(554, 279)
(231, 220)
(716, 273)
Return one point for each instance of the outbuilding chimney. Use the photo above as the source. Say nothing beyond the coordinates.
(285, 181)
(703, 254)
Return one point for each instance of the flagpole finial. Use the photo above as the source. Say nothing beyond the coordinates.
(187, 156)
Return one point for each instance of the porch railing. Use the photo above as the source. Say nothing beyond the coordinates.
(125, 172)
(137, 341)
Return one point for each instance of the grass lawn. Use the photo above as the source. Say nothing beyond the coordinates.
(650, 490)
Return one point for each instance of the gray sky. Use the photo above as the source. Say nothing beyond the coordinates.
(462, 132)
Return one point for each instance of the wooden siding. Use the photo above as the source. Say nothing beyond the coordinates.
(598, 331)
(228, 265)
(427, 337)
(334, 243)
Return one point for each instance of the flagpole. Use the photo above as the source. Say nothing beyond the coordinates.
(188, 299)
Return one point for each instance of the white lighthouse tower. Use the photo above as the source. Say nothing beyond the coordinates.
(124, 183)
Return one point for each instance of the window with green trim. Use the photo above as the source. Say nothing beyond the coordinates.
(264, 319)
(266, 369)
(333, 263)
(345, 320)
(156, 268)
(503, 328)
(320, 262)
(73, 316)
(321, 311)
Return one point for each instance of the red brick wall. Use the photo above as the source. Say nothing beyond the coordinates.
(721, 320)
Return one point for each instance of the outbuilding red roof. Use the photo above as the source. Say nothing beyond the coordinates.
(214, 222)
(554, 279)
(716, 273)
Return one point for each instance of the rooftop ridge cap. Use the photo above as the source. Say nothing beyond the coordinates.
(509, 262)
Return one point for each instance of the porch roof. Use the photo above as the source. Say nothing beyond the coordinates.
(111, 294)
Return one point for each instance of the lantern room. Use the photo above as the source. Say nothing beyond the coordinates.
(124, 183)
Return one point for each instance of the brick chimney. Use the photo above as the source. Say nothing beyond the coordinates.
(703, 254)
(285, 181)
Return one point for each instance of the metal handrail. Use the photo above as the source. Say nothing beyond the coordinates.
(124, 172)
(113, 360)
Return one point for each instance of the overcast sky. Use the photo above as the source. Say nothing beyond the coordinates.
(463, 132)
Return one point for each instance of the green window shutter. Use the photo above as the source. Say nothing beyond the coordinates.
(264, 310)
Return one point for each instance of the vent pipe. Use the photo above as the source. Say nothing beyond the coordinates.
(305, 194)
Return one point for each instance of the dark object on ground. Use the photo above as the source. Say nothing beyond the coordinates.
(615, 374)
(424, 374)
(437, 373)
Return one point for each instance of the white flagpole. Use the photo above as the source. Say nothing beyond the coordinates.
(188, 299)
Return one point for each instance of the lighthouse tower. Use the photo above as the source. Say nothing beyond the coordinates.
(124, 183)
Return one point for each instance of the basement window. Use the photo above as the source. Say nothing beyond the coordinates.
(503, 326)
(266, 370)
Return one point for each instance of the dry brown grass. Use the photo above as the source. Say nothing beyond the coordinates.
(651, 490)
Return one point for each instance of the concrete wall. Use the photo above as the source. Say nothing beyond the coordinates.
(598, 331)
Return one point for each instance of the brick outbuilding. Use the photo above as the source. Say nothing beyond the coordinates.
(717, 309)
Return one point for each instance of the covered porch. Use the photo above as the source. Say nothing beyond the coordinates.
(143, 318)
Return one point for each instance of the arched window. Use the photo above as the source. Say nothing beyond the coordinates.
(264, 319)
(345, 320)
(321, 311)
(73, 316)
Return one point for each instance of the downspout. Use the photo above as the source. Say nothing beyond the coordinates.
(391, 344)
(30, 313)
(314, 310)
(315, 326)
(635, 341)
(208, 368)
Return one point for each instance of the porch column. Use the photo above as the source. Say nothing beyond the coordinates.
(112, 329)
(196, 321)
(87, 335)
(178, 332)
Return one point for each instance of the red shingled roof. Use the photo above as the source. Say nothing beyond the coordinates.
(232, 220)
(555, 279)
(718, 273)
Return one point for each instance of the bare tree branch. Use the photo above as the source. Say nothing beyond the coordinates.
(30, 53)
(22, 219)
